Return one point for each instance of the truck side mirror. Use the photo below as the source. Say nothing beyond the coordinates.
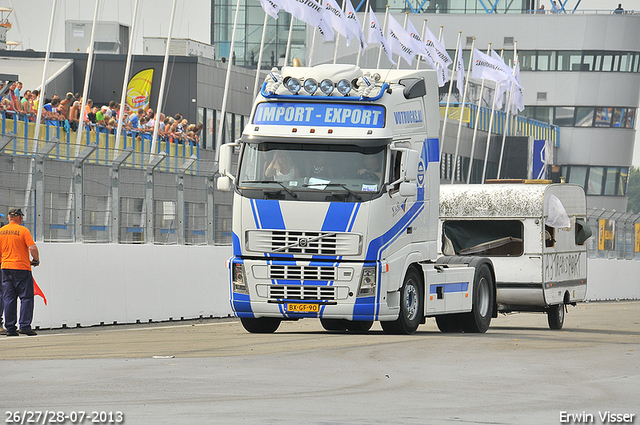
(224, 161)
(224, 183)
(410, 165)
(408, 189)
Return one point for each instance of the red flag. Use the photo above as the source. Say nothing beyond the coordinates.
(38, 291)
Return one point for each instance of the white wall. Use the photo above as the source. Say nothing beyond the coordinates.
(613, 279)
(89, 284)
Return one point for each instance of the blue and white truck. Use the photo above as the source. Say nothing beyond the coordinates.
(335, 210)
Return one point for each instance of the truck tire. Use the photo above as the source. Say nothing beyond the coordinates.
(555, 316)
(411, 306)
(479, 318)
(262, 325)
(334, 325)
(449, 323)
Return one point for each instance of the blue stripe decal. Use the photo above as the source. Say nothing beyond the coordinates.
(269, 213)
(448, 288)
(364, 308)
(376, 246)
(237, 248)
(338, 217)
(433, 150)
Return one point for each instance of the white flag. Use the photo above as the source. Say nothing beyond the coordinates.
(353, 25)
(271, 7)
(436, 52)
(308, 11)
(460, 69)
(503, 86)
(491, 68)
(400, 40)
(376, 36)
(334, 16)
(518, 96)
(325, 30)
(418, 45)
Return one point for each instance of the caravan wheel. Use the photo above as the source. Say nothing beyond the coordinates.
(555, 316)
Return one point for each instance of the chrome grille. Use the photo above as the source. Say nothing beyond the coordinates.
(302, 242)
(303, 292)
(303, 272)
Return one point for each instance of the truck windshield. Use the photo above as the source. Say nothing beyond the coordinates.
(311, 172)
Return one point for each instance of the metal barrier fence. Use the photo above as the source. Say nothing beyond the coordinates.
(97, 194)
(616, 234)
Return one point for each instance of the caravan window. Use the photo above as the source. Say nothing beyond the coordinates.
(484, 237)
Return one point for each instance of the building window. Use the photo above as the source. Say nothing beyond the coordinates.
(584, 117)
(546, 61)
(564, 116)
(577, 174)
(623, 181)
(595, 182)
(610, 181)
(598, 180)
(603, 117)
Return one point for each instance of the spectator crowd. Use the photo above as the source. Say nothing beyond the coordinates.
(66, 113)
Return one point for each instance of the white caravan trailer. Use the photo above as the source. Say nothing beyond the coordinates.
(534, 234)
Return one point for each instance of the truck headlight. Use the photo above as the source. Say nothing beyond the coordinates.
(238, 281)
(367, 282)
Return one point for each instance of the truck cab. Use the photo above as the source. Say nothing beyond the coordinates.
(336, 203)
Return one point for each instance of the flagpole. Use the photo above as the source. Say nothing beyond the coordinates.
(286, 54)
(364, 24)
(127, 71)
(264, 34)
(507, 123)
(424, 33)
(87, 76)
(464, 98)
(313, 45)
(45, 67)
(493, 111)
(384, 30)
(446, 111)
(160, 107)
(223, 112)
(335, 51)
(475, 129)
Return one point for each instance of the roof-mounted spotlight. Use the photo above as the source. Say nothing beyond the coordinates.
(326, 86)
(344, 87)
(292, 84)
(310, 85)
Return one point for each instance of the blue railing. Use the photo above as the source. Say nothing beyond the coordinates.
(522, 125)
(23, 126)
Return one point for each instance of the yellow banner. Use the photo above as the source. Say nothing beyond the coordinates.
(139, 90)
(601, 225)
(637, 237)
(454, 113)
(606, 235)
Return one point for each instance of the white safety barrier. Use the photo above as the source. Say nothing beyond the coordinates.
(90, 284)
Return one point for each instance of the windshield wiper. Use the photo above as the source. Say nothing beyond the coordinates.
(289, 191)
(342, 185)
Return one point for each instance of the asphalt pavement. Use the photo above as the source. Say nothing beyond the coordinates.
(213, 372)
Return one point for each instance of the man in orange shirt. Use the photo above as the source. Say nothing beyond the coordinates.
(16, 244)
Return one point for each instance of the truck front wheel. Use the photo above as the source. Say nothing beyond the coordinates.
(262, 325)
(411, 306)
